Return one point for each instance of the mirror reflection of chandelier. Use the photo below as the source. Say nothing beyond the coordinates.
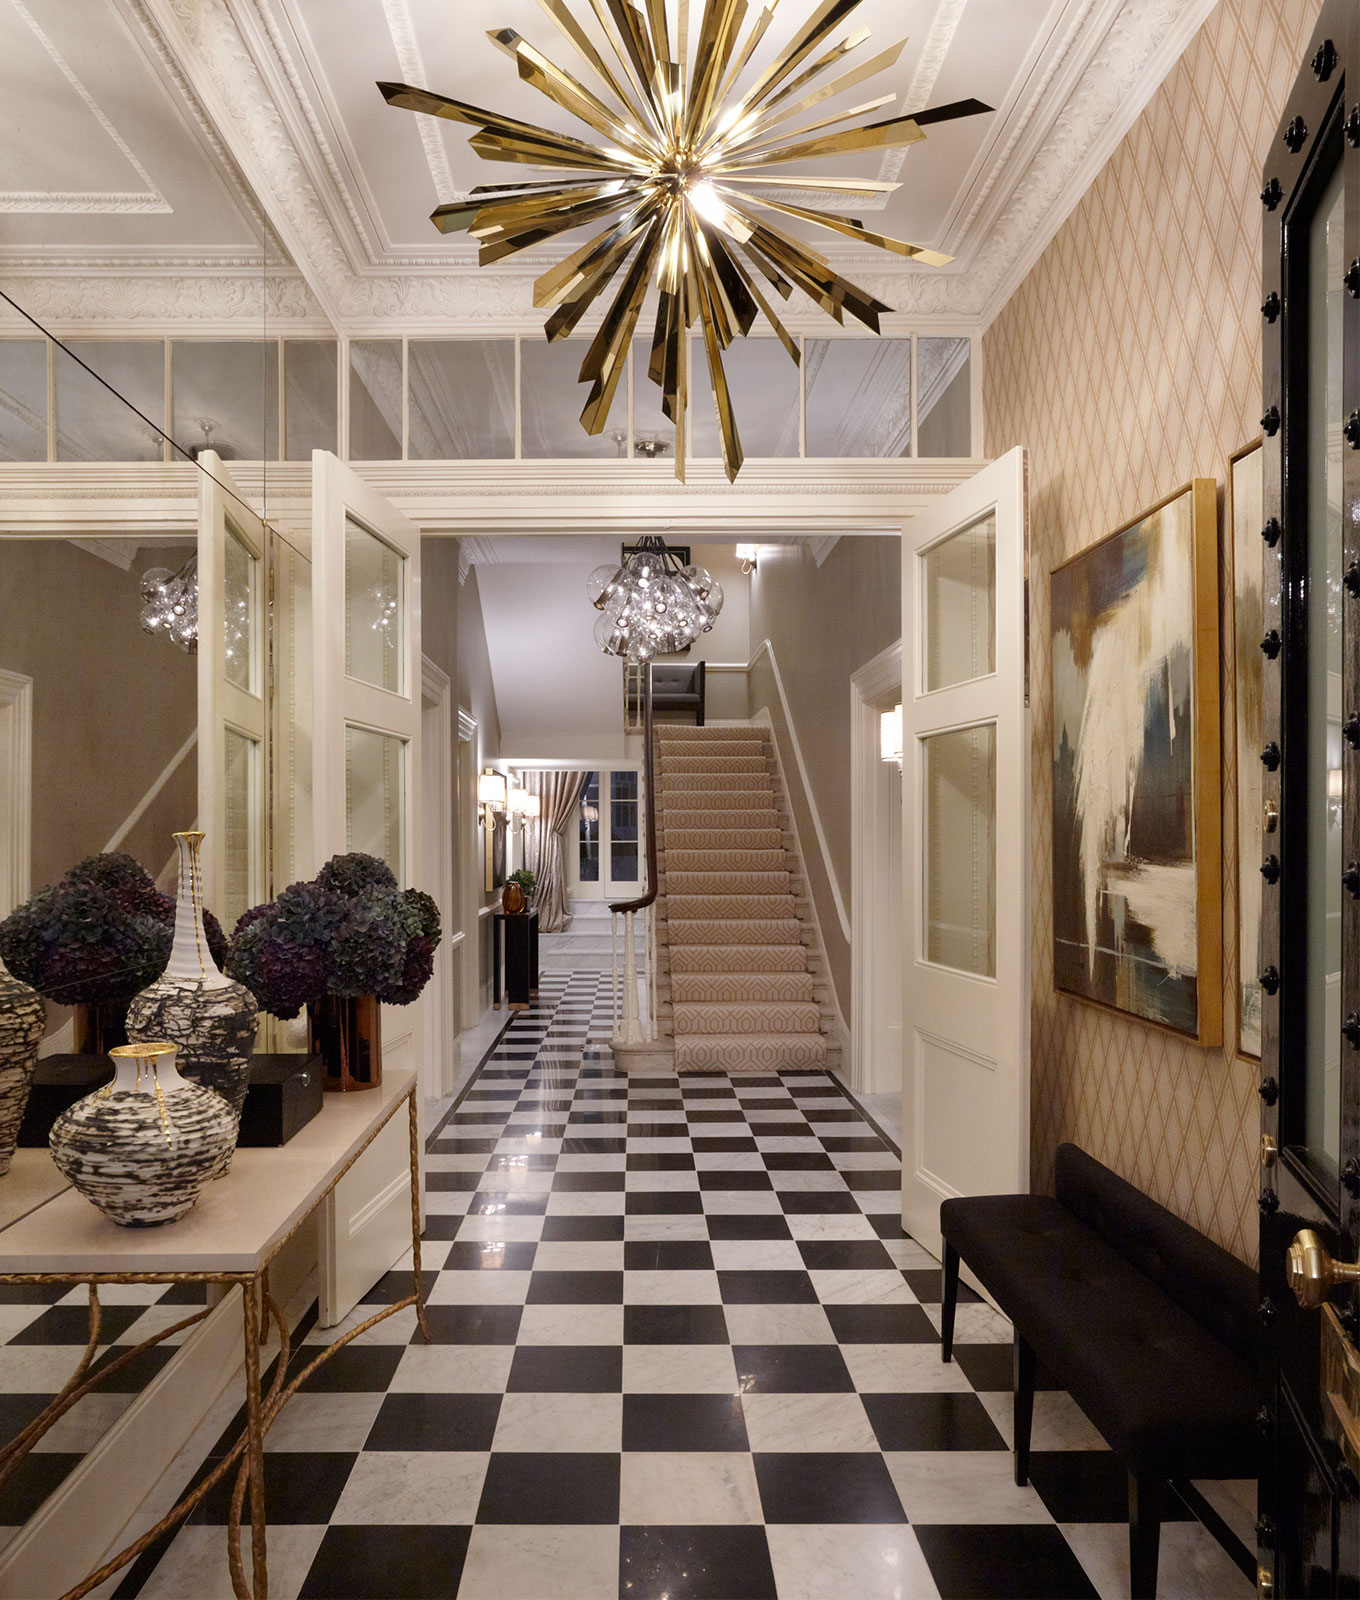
(171, 607)
(652, 604)
(675, 164)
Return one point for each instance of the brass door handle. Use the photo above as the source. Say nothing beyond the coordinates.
(1313, 1275)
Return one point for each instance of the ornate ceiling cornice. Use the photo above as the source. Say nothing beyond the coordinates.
(236, 66)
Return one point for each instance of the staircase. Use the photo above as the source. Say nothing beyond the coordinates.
(740, 981)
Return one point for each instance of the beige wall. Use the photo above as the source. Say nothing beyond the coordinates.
(823, 623)
(111, 705)
(1129, 362)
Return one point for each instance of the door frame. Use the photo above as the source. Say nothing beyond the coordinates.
(875, 964)
(16, 789)
(437, 835)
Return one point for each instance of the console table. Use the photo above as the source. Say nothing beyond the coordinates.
(231, 1236)
(521, 958)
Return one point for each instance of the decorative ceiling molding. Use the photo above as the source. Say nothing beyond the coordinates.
(165, 302)
(412, 63)
(120, 553)
(147, 199)
(241, 68)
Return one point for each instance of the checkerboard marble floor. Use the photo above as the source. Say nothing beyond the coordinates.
(682, 1348)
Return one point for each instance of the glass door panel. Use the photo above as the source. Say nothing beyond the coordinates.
(958, 596)
(623, 830)
(1321, 1109)
(241, 613)
(959, 849)
(586, 882)
(375, 607)
(243, 834)
(374, 796)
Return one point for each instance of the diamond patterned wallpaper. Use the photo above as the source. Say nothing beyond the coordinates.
(1129, 362)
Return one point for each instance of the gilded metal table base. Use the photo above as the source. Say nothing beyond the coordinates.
(258, 1311)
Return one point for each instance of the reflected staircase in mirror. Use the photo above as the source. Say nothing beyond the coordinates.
(741, 986)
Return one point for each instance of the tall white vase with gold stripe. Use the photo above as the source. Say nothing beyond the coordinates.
(211, 1018)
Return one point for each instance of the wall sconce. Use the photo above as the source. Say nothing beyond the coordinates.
(746, 554)
(491, 794)
(524, 808)
(890, 735)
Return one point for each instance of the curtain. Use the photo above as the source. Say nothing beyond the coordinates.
(546, 841)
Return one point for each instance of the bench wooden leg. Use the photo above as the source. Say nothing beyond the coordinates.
(1145, 1531)
(1024, 1406)
(948, 1300)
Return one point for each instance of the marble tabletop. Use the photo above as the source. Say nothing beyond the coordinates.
(236, 1226)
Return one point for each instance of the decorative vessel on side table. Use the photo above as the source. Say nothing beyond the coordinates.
(341, 946)
(210, 1017)
(142, 1148)
(22, 1016)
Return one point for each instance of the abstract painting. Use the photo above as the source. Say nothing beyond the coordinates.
(1245, 519)
(1136, 843)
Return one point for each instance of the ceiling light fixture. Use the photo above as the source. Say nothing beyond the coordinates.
(172, 606)
(675, 166)
(652, 604)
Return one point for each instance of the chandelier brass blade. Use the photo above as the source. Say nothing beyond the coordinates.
(676, 188)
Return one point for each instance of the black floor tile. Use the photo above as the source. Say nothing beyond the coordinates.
(1003, 1561)
(587, 1182)
(487, 1255)
(791, 1369)
(440, 1225)
(473, 1324)
(551, 1487)
(731, 1114)
(766, 1288)
(661, 1161)
(798, 1160)
(575, 1289)
(729, 1146)
(845, 1143)
(674, 1325)
(793, 1129)
(135, 1376)
(71, 1325)
(406, 1563)
(845, 1255)
(576, 1144)
(990, 1368)
(566, 1369)
(881, 1324)
(458, 1145)
(686, 1563)
(888, 1225)
(581, 1230)
(928, 1287)
(435, 1422)
(818, 1202)
(36, 1478)
(297, 1488)
(502, 1203)
(185, 1294)
(395, 1286)
(755, 1226)
(663, 1203)
(668, 1255)
(540, 1163)
(836, 1487)
(735, 1180)
(454, 1182)
(641, 1128)
(33, 1294)
(867, 1181)
(710, 1422)
(944, 1421)
(1089, 1486)
(357, 1369)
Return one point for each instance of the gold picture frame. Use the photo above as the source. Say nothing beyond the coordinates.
(1137, 842)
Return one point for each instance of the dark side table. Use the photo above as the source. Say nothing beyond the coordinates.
(521, 958)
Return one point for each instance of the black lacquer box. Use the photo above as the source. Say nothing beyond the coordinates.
(284, 1095)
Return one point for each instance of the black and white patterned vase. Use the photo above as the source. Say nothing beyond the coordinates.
(22, 1017)
(142, 1147)
(210, 1018)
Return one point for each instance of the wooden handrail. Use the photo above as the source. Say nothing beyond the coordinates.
(645, 900)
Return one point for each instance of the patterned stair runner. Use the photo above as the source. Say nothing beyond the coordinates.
(742, 994)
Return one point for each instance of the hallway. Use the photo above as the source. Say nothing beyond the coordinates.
(682, 1349)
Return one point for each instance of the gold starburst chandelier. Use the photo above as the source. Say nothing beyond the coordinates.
(677, 171)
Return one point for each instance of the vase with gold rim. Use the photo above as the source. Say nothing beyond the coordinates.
(142, 1147)
(209, 1017)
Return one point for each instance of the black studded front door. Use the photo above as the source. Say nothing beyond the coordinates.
(1309, 830)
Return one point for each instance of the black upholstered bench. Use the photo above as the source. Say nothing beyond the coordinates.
(1149, 1326)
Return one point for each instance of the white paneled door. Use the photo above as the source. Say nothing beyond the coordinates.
(966, 857)
(366, 787)
(231, 697)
